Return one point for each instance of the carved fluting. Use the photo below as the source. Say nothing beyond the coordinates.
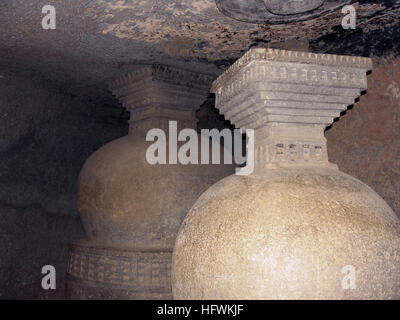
(270, 88)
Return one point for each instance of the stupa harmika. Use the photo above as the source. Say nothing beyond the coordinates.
(290, 229)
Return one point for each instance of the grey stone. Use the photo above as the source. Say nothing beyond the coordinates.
(277, 12)
(131, 210)
(292, 228)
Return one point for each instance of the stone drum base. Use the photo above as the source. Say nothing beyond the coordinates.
(98, 272)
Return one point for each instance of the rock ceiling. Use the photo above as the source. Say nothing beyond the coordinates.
(95, 39)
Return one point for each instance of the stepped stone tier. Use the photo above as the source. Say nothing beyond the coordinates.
(297, 227)
(131, 210)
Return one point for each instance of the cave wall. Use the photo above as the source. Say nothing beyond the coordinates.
(45, 137)
(365, 142)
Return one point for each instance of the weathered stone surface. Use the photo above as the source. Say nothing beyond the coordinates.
(289, 98)
(292, 6)
(287, 234)
(277, 12)
(95, 37)
(288, 230)
(127, 203)
(55, 109)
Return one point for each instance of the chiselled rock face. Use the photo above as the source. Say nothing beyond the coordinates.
(297, 228)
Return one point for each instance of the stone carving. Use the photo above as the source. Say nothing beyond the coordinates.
(290, 229)
(261, 91)
(277, 11)
(131, 211)
(94, 271)
(292, 6)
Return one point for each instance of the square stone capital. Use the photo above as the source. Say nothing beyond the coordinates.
(279, 86)
(289, 98)
(161, 86)
(161, 91)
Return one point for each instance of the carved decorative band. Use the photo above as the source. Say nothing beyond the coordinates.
(291, 151)
(292, 73)
(267, 54)
(141, 270)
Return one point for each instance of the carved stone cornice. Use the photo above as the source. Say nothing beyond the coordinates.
(161, 91)
(268, 54)
(163, 73)
(289, 98)
(161, 85)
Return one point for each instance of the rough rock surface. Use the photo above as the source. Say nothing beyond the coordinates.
(94, 38)
(365, 143)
